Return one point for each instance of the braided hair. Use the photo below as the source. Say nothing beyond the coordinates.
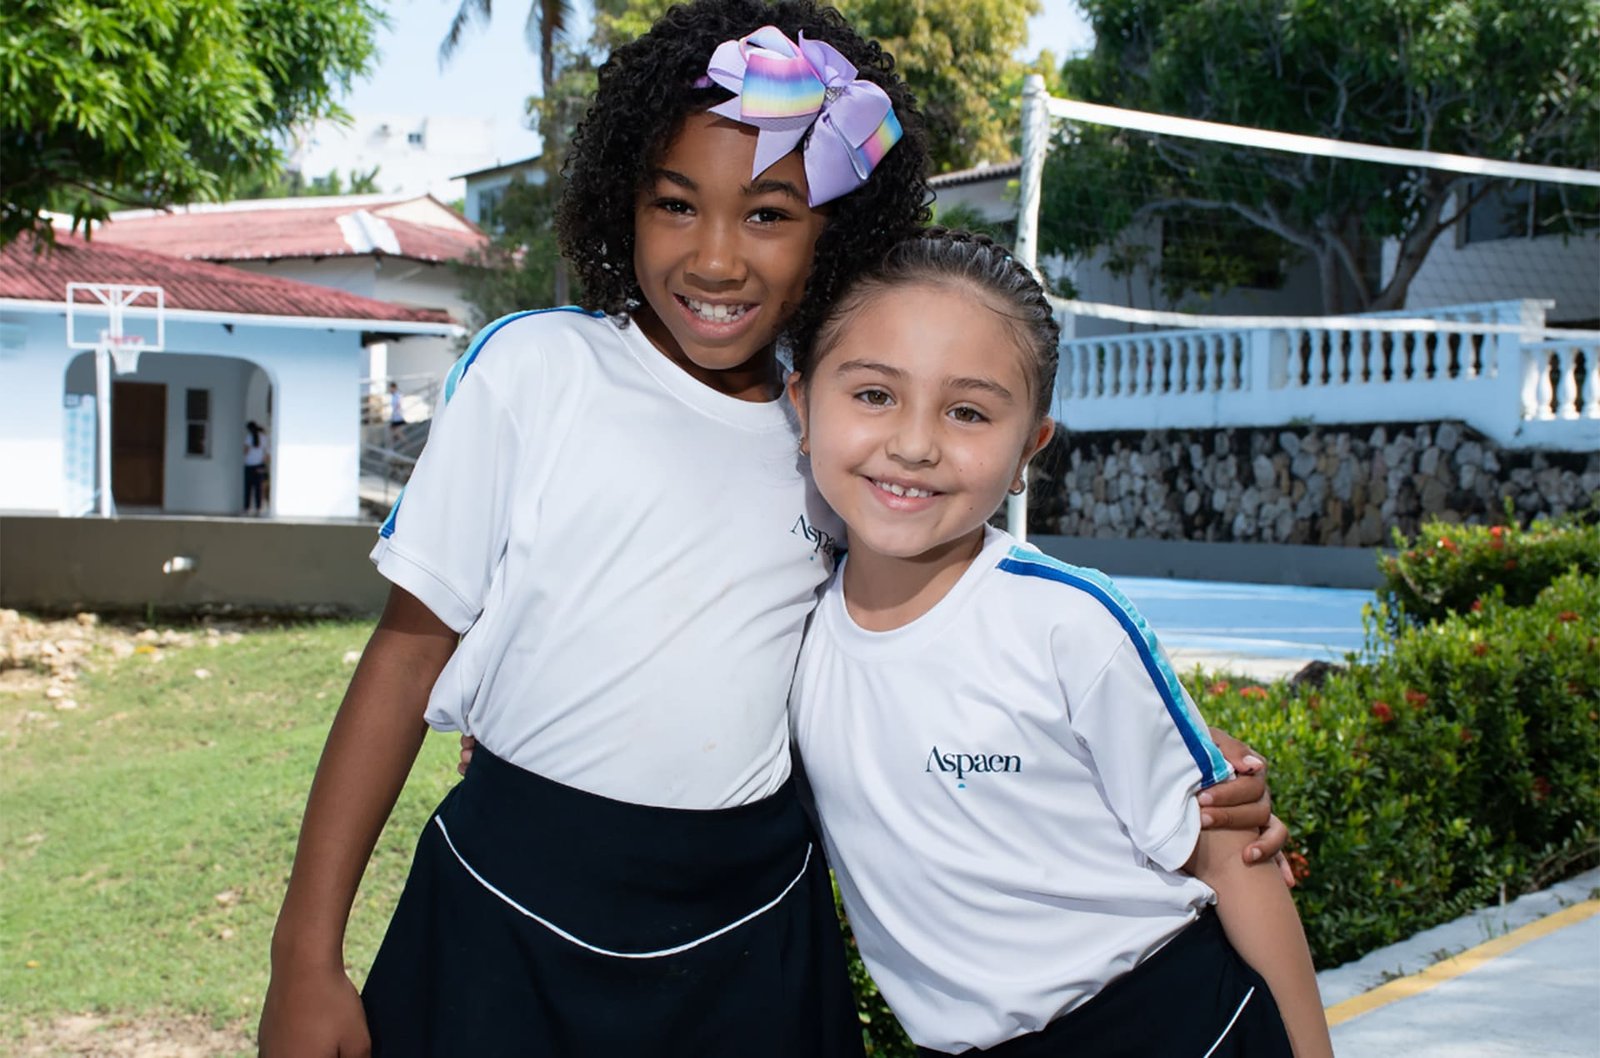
(976, 262)
(646, 90)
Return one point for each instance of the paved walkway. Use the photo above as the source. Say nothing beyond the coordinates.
(1508, 982)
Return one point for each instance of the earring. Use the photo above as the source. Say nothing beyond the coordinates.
(1018, 487)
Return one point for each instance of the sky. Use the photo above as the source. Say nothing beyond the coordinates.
(493, 70)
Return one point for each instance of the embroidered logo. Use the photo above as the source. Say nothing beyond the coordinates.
(964, 764)
(822, 542)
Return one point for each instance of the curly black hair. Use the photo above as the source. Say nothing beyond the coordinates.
(949, 255)
(646, 90)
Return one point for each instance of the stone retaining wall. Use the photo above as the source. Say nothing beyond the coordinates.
(1342, 486)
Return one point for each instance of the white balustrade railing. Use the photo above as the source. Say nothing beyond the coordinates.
(1470, 363)
(1561, 380)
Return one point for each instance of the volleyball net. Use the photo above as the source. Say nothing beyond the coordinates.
(1144, 220)
(1211, 275)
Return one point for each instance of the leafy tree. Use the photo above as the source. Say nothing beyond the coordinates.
(546, 30)
(1517, 80)
(149, 102)
(957, 55)
(291, 183)
(517, 269)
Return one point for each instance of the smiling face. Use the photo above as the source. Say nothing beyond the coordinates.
(721, 258)
(918, 420)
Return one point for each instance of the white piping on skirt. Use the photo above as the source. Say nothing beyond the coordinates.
(564, 935)
(1229, 1027)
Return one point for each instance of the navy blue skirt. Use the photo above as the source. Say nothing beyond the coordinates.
(539, 919)
(1194, 997)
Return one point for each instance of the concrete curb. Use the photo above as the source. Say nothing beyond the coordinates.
(1434, 945)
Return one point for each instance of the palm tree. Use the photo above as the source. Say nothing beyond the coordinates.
(548, 21)
(547, 25)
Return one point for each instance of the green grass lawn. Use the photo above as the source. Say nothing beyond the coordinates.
(146, 837)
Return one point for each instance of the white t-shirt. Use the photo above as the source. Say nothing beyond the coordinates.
(630, 554)
(1006, 791)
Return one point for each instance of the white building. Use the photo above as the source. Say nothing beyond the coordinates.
(486, 188)
(238, 347)
(414, 155)
(1505, 248)
(396, 249)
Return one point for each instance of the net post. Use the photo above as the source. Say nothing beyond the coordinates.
(1035, 139)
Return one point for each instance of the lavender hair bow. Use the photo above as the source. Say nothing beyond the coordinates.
(784, 88)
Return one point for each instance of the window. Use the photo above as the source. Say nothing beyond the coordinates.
(1515, 210)
(1206, 252)
(197, 417)
(414, 138)
(489, 201)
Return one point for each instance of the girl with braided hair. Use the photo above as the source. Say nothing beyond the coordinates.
(602, 567)
(1004, 764)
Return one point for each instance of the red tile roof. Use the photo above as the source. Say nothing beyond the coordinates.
(301, 228)
(43, 276)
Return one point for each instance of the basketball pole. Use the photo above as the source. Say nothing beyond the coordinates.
(1035, 137)
(112, 335)
(113, 350)
(102, 388)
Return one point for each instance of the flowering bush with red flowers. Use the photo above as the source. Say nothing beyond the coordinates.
(1449, 568)
(1456, 758)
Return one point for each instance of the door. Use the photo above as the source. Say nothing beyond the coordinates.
(138, 443)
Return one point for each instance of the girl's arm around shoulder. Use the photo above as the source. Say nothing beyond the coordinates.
(312, 1010)
(1245, 803)
(1260, 920)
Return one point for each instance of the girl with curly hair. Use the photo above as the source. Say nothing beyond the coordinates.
(601, 570)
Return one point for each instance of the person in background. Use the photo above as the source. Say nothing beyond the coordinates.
(255, 467)
(397, 415)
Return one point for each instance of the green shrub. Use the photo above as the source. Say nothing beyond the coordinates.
(1463, 759)
(1447, 568)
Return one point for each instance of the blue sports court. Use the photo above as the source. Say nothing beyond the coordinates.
(1251, 620)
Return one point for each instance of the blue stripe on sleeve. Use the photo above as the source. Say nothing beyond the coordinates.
(1207, 757)
(458, 371)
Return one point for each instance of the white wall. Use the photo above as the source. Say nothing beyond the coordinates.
(994, 199)
(413, 153)
(415, 284)
(1565, 270)
(353, 275)
(191, 484)
(315, 430)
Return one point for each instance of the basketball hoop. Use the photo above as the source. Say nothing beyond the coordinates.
(89, 305)
(99, 316)
(124, 350)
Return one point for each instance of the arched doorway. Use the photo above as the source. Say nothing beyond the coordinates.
(177, 433)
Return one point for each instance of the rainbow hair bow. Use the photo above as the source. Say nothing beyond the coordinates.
(784, 89)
